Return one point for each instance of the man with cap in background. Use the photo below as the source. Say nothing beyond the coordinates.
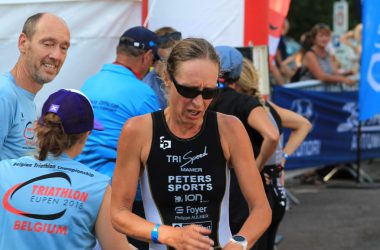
(168, 37)
(117, 94)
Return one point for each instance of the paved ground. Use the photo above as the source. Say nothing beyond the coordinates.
(337, 215)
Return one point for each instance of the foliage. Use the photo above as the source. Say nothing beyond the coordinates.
(304, 14)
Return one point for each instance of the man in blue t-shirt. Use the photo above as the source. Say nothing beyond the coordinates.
(43, 44)
(117, 94)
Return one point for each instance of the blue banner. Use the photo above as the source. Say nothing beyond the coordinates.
(369, 97)
(334, 135)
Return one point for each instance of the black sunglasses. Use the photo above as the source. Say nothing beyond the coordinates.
(175, 36)
(192, 92)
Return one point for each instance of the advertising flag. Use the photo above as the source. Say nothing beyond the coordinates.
(278, 10)
(369, 91)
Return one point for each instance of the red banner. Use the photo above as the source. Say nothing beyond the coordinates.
(256, 22)
(278, 10)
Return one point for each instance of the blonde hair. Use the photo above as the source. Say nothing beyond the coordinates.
(249, 81)
(51, 137)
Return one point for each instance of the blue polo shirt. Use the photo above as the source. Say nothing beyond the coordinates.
(116, 95)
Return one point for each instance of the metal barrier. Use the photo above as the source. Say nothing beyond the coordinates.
(317, 85)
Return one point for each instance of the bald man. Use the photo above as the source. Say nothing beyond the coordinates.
(43, 45)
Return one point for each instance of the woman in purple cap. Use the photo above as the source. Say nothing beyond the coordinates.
(50, 201)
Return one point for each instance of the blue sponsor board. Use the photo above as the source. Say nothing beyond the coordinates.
(333, 137)
(369, 98)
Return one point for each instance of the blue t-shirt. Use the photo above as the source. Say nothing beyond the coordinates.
(155, 82)
(17, 117)
(51, 204)
(116, 95)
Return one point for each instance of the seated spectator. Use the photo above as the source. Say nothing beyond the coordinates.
(51, 201)
(318, 63)
(167, 38)
(294, 62)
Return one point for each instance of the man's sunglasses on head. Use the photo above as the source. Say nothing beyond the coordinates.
(175, 36)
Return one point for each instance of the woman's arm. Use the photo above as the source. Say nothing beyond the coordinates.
(133, 149)
(238, 150)
(298, 125)
(312, 64)
(259, 120)
(108, 237)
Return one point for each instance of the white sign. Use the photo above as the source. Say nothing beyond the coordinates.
(340, 18)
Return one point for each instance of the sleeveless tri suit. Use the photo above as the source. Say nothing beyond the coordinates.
(186, 181)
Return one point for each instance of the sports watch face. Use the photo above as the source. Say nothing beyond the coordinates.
(239, 238)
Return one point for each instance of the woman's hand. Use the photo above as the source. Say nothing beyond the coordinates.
(189, 237)
(349, 81)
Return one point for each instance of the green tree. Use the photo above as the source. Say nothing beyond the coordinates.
(304, 14)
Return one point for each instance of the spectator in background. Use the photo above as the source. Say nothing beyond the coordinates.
(43, 45)
(273, 170)
(281, 52)
(77, 206)
(294, 62)
(185, 150)
(349, 51)
(117, 94)
(353, 39)
(255, 119)
(167, 38)
(318, 63)
(279, 72)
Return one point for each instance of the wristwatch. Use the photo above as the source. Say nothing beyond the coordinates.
(240, 240)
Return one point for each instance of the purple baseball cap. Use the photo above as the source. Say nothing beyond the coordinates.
(74, 109)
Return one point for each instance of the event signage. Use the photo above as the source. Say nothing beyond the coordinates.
(334, 134)
(340, 19)
(369, 97)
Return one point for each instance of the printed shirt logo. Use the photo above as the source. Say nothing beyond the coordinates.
(29, 131)
(45, 195)
(164, 144)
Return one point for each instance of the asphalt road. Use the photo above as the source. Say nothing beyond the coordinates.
(337, 215)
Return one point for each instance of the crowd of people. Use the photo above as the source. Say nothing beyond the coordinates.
(187, 155)
(319, 58)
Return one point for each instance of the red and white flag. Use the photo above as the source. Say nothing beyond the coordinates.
(278, 10)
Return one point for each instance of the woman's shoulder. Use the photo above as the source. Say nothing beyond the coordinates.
(138, 123)
(228, 122)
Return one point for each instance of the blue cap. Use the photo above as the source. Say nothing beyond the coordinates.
(74, 109)
(140, 37)
(231, 61)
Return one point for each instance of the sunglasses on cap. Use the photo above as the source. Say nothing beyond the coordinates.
(176, 36)
(192, 92)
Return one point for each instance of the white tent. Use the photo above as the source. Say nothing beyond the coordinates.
(96, 25)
